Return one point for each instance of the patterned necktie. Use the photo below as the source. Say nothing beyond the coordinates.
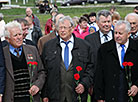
(106, 37)
(66, 55)
(122, 54)
(17, 52)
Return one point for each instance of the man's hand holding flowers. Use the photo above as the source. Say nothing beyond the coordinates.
(79, 89)
(133, 91)
(34, 90)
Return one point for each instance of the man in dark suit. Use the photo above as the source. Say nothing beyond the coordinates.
(61, 56)
(2, 72)
(110, 80)
(132, 18)
(25, 74)
(104, 34)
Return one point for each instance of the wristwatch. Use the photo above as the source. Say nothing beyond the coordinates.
(1, 95)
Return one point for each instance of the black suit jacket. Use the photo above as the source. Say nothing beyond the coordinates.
(95, 42)
(108, 70)
(51, 57)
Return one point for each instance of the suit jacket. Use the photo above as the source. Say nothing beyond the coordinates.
(108, 70)
(38, 78)
(95, 42)
(2, 70)
(45, 39)
(51, 57)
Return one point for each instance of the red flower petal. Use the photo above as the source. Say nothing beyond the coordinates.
(29, 62)
(76, 76)
(124, 64)
(79, 68)
(130, 64)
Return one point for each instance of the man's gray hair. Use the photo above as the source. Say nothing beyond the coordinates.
(104, 13)
(10, 25)
(127, 27)
(131, 14)
(61, 20)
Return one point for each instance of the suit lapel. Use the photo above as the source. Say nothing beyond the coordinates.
(97, 39)
(28, 56)
(8, 61)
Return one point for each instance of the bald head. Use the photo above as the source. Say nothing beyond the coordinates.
(29, 11)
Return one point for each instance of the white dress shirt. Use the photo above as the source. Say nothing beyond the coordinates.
(109, 36)
(29, 35)
(70, 45)
(119, 48)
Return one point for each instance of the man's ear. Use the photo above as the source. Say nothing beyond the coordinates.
(7, 38)
(72, 28)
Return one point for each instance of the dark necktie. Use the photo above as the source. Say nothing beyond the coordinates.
(17, 52)
(106, 37)
(66, 55)
(122, 54)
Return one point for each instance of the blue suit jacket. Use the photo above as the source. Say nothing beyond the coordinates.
(2, 70)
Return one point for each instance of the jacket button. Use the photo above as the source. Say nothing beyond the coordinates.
(113, 86)
(113, 99)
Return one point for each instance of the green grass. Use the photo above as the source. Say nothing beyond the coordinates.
(11, 14)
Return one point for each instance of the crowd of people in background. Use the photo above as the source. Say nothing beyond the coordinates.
(95, 54)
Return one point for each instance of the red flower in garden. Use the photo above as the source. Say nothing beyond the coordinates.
(130, 64)
(76, 76)
(79, 68)
(124, 64)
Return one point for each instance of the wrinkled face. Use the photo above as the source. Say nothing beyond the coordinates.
(120, 35)
(65, 30)
(24, 29)
(104, 24)
(134, 23)
(83, 24)
(16, 37)
(29, 12)
(92, 18)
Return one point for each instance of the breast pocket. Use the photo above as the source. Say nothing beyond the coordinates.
(50, 59)
(83, 57)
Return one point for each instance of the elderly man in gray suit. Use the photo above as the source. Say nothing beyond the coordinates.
(25, 75)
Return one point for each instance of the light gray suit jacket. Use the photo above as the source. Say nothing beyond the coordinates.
(38, 79)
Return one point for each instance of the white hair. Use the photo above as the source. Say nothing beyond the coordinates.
(131, 14)
(10, 25)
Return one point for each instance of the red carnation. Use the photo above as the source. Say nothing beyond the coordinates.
(130, 64)
(79, 68)
(29, 62)
(34, 63)
(76, 76)
(124, 64)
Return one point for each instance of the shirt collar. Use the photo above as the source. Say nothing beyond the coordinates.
(126, 44)
(12, 48)
(71, 39)
(109, 34)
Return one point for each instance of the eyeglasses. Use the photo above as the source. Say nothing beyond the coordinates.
(66, 28)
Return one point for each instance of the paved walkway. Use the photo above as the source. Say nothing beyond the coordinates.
(74, 6)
